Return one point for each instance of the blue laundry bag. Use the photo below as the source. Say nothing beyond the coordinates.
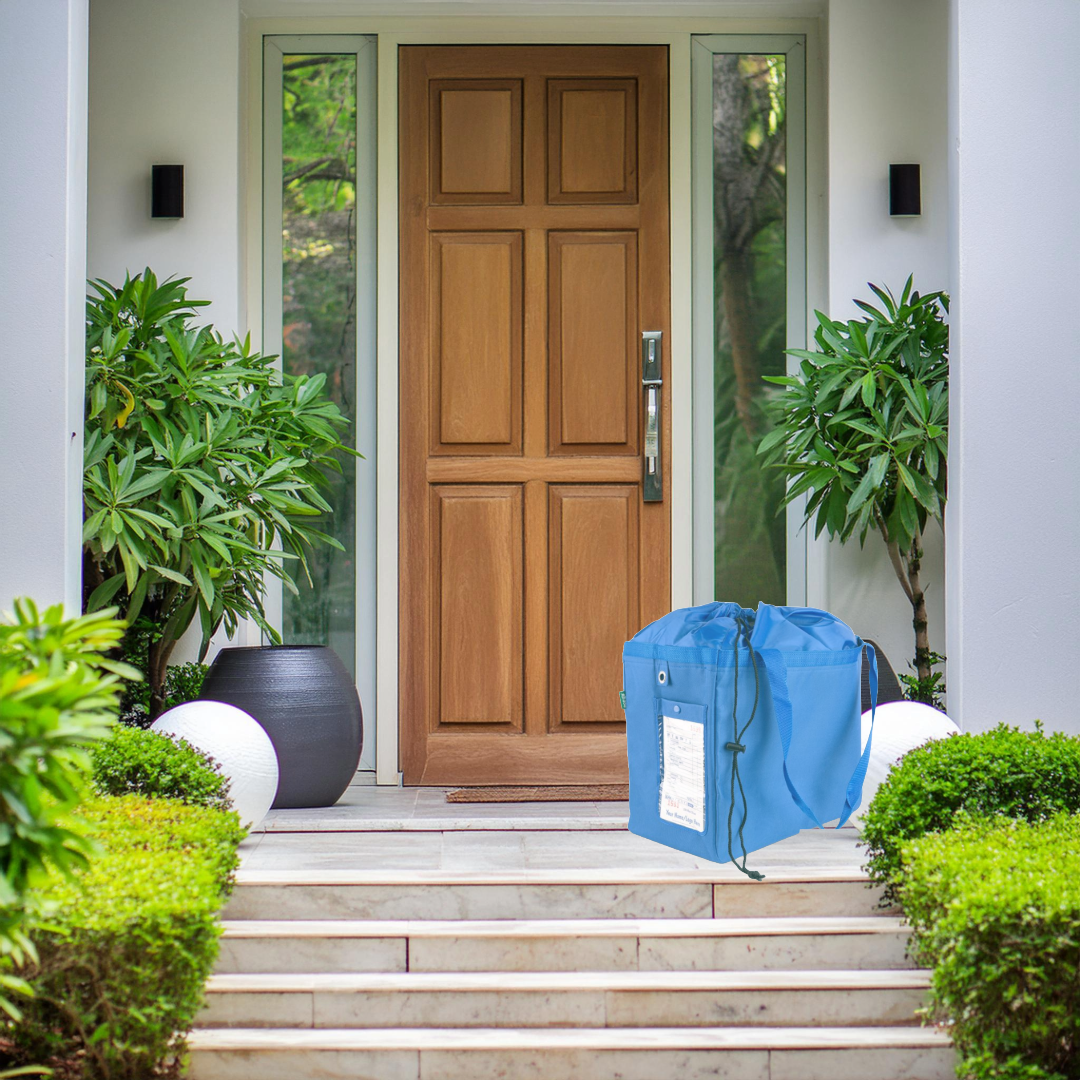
(743, 727)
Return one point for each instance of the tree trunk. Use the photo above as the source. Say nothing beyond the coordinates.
(908, 566)
(740, 188)
(913, 565)
(735, 273)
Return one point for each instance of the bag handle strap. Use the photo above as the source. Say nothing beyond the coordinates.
(776, 669)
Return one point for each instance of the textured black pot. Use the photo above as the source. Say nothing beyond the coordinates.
(304, 698)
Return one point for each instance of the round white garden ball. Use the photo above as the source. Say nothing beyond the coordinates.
(900, 726)
(238, 743)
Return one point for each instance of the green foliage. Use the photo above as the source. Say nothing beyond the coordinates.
(200, 461)
(124, 956)
(58, 696)
(153, 765)
(862, 433)
(863, 429)
(995, 909)
(1000, 773)
(927, 690)
(183, 682)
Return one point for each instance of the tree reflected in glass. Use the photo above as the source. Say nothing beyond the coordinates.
(319, 313)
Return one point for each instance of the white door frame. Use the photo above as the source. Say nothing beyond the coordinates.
(390, 33)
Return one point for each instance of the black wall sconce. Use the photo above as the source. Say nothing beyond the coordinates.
(905, 191)
(167, 191)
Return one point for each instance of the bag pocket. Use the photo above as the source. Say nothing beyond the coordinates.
(683, 753)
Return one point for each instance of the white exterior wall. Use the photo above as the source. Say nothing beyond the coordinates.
(165, 90)
(43, 73)
(1014, 515)
(886, 104)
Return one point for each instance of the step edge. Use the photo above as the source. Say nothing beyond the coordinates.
(733, 1038)
(729, 926)
(504, 982)
(248, 879)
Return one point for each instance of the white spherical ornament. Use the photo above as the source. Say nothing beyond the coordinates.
(900, 726)
(238, 743)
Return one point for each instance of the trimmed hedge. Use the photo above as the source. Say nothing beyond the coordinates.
(130, 942)
(136, 762)
(995, 909)
(1000, 773)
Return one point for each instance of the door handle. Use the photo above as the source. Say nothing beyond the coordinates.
(651, 382)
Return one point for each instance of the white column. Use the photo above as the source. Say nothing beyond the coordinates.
(43, 82)
(1013, 520)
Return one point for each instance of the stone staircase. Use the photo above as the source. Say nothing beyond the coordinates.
(563, 974)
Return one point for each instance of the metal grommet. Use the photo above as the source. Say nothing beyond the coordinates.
(662, 677)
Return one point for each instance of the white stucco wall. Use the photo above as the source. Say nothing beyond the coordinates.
(43, 74)
(165, 89)
(1014, 514)
(886, 104)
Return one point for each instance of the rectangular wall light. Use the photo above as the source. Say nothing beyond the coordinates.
(905, 191)
(167, 191)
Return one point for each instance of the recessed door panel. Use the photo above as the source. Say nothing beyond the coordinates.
(592, 141)
(477, 561)
(594, 598)
(475, 141)
(593, 324)
(476, 342)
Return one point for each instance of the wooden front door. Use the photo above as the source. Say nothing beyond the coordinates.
(534, 253)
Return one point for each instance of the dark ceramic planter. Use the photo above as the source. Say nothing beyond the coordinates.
(304, 698)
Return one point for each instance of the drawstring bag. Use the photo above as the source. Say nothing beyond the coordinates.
(743, 727)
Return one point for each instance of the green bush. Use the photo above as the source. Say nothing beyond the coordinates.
(124, 955)
(1003, 772)
(995, 909)
(134, 762)
(58, 695)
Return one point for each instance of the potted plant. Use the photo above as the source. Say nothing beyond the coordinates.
(203, 469)
(862, 431)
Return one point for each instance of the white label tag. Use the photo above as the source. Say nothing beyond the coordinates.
(682, 793)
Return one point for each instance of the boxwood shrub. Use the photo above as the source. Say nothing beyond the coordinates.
(1003, 772)
(995, 909)
(136, 762)
(128, 945)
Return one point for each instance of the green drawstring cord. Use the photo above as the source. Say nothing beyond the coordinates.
(737, 747)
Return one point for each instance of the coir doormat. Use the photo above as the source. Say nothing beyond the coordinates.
(565, 793)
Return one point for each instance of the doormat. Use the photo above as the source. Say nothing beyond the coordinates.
(566, 793)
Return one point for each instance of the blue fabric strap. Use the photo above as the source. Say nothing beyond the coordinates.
(855, 784)
(776, 669)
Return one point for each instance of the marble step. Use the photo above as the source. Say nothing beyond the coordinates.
(546, 894)
(735, 1053)
(566, 999)
(732, 944)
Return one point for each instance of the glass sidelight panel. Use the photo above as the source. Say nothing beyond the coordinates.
(318, 301)
(318, 314)
(749, 308)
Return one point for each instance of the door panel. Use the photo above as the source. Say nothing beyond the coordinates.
(476, 322)
(592, 305)
(594, 598)
(475, 141)
(592, 141)
(477, 567)
(534, 252)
